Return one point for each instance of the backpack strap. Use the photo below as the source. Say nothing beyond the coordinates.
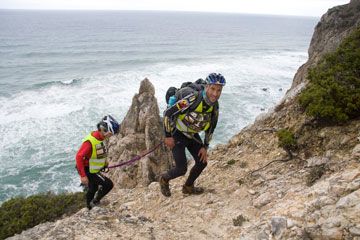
(189, 100)
(185, 92)
(213, 123)
(196, 103)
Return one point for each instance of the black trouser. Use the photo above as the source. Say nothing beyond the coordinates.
(194, 146)
(96, 179)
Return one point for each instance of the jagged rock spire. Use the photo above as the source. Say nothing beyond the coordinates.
(140, 130)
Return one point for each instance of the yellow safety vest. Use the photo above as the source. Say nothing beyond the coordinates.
(97, 160)
(194, 121)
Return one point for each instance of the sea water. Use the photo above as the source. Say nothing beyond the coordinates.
(62, 71)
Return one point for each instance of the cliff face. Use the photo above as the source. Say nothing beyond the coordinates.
(316, 195)
(334, 26)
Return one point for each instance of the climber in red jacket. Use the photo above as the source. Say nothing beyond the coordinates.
(91, 159)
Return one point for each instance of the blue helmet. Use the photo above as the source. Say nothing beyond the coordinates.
(108, 123)
(215, 78)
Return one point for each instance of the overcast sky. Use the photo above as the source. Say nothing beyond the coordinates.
(278, 7)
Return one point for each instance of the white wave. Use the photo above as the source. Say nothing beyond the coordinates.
(10, 187)
(45, 126)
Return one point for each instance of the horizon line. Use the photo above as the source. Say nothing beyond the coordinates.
(154, 10)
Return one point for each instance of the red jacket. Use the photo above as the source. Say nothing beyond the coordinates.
(84, 154)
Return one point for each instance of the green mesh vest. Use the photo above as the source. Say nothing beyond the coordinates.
(98, 154)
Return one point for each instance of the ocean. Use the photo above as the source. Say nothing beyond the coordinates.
(61, 71)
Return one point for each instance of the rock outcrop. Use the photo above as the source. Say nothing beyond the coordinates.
(334, 26)
(141, 130)
(316, 195)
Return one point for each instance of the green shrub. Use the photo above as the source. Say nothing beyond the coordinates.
(333, 93)
(286, 139)
(231, 162)
(19, 213)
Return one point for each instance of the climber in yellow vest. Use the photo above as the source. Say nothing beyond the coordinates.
(91, 158)
(195, 111)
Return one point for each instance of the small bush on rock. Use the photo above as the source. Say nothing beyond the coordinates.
(287, 140)
(231, 162)
(19, 213)
(333, 93)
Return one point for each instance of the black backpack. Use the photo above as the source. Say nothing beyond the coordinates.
(198, 85)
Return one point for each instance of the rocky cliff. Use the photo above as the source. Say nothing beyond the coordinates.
(140, 130)
(334, 26)
(253, 191)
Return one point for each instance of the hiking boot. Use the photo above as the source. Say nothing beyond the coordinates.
(164, 186)
(192, 190)
(93, 203)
